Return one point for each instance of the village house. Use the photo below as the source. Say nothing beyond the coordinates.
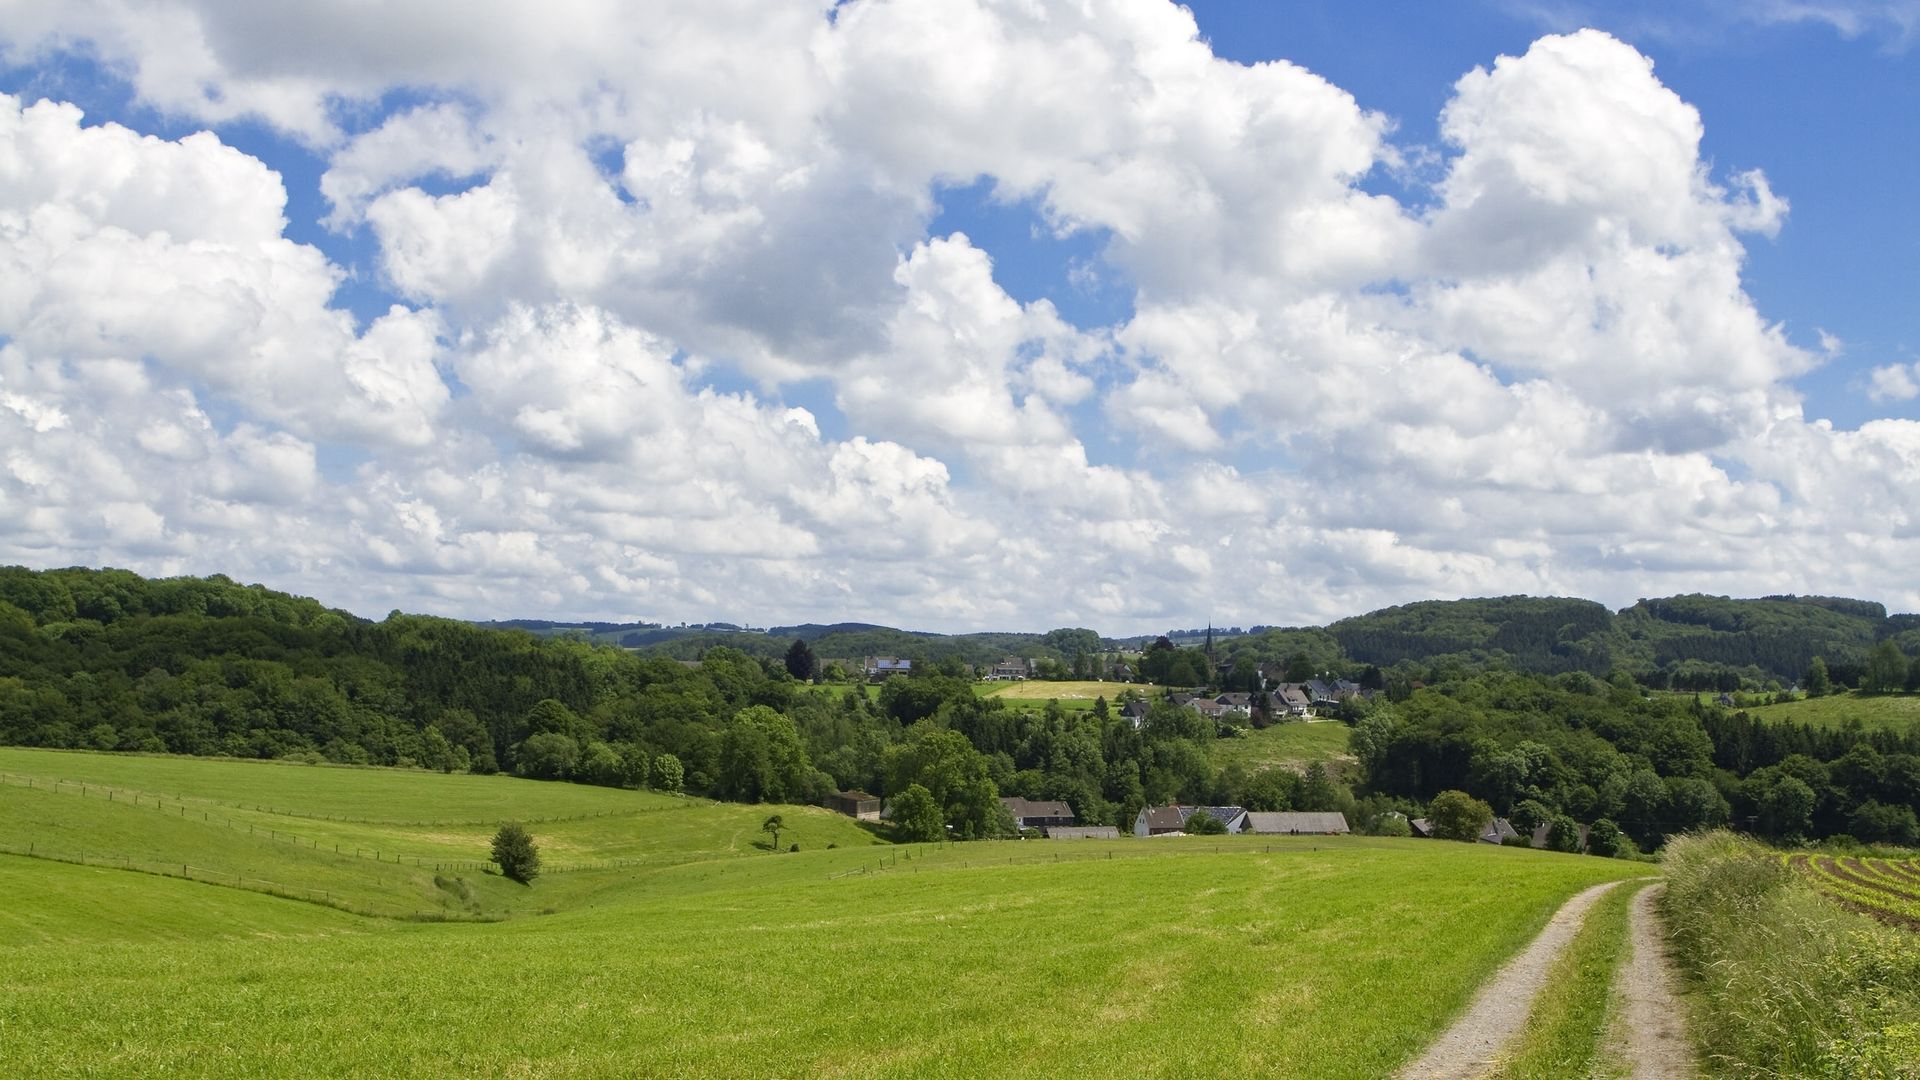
(1500, 831)
(880, 667)
(1298, 823)
(855, 804)
(1167, 820)
(1135, 712)
(1237, 705)
(1292, 699)
(1012, 667)
(1038, 815)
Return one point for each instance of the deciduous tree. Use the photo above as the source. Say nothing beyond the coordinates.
(1456, 815)
(516, 853)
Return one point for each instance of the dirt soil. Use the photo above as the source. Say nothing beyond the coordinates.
(1650, 1033)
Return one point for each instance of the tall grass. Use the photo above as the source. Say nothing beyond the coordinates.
(1790, 984)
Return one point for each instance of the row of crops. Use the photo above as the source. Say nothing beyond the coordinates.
(1887, 889)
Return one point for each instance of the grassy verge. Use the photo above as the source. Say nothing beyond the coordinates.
(1565, 1030)
(1790, 984)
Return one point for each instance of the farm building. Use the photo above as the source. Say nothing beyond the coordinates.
(855, 804)
(1038, 815)
(1298, 824)
(1083, 832)
(879, 667)
(1421, 828)
(1167, 820)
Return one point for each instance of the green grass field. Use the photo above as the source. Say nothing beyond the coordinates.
(692, 952)
(1896, 712)
(1290, 745)
(1035, 693)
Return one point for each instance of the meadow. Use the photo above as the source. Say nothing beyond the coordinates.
(1293, 745)
(1071, 695)
(1891, 712)
(673, 945)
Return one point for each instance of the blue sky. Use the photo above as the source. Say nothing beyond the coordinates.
(678, 325)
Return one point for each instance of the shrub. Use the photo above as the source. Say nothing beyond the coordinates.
(1603, 839)
(1201, 823)
(1563, 834)
(515, 851)
(1392, 825)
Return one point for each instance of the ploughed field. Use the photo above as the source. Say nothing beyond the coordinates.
(1887, 889)
(665, 939)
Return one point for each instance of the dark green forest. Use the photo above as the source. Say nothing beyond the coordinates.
(1498, 698)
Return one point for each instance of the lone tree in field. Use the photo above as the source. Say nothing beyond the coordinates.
(513, 849)
(773, 825)
(1457, 815)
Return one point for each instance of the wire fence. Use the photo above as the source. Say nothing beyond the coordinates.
(143, 864)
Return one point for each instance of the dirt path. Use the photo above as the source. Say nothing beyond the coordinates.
(1650, 1033)
(1500, 1010)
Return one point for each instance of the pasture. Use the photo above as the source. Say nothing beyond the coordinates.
(1292, 745)
(1894, 712)
(696, 953)
(1035, 693)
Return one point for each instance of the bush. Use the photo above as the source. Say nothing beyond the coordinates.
(1201, 823)
(1603, 839)
(514, 850)
(1392, 825)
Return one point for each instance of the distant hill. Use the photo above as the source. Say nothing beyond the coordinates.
(1699, 640)
(1689, 637)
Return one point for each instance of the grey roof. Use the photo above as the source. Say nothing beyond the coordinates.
(1317, 823)
(1225, 815)
(1421, 826)
(1083, 832)
(1022, 808)
(1499, 832)
(1163, 817)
